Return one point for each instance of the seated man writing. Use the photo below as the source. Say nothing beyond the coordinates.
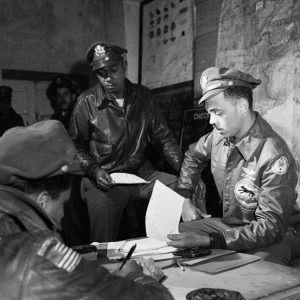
(35, 263)
(253, 169)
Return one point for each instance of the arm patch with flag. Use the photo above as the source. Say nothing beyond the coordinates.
(59, 254)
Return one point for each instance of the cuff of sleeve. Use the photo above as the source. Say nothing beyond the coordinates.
(91, 171)
(217, 241)
(185, 193)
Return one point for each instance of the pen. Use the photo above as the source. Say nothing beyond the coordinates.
(178, 264)
(128, 256)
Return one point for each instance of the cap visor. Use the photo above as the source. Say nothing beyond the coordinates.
(73, 168)
(211, 94)
(105, 63)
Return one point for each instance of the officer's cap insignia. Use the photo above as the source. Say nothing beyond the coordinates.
(100, 51)
(280, 166)
(59, 254)
(203, 83)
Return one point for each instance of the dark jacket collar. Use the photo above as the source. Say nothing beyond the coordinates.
(29, 214)
(257, 133)
(102, 97)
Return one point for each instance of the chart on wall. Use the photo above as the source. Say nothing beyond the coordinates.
(167, 42)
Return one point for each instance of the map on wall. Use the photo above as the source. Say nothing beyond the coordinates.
(167, 42)
(262, 38)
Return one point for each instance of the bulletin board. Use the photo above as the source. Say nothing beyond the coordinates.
(166, 42)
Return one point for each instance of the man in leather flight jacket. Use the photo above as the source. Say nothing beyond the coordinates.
(112, 123)
(254, 172)
(35, 263)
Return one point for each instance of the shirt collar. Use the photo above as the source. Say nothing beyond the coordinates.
(247, 145)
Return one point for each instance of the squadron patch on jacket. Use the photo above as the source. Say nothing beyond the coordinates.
(246, 192)
(59, 254)
(280, 166)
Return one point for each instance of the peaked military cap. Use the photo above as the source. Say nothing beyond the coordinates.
(215, 80)
(101, 55)
(41, 150)
(5, 92)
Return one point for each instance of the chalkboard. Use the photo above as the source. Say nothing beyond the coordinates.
(173, 101)
(195, 124)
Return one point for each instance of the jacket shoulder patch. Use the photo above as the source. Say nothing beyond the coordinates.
(59, 254)
(280, 166)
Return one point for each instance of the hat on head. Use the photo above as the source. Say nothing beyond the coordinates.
(34, 152)
(5, 92)
(215, 80)
(101, 55)
(57, 83)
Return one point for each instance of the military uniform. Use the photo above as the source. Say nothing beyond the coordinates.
(255, 177)
(113, 138)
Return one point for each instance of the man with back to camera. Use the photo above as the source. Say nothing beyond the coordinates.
(62, 95)
(8, 117)
(254, 171)
(111, 125)
(35, 263)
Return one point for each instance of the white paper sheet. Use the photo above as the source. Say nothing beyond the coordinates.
(164, 212)
(126, 178)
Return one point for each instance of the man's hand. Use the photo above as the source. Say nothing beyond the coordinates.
(103, 180)
(190, 212)
(130, 267)
(188, 239)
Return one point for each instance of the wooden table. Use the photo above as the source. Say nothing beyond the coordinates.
(259, 280)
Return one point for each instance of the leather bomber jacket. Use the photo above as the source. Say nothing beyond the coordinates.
(36, 265)
(255, 178)
(114, 138)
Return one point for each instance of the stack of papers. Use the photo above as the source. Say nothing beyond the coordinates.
(162, 218)
(145, 247)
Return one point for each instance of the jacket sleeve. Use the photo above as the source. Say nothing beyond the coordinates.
(275, 205)
(88, 280)
(79, 130)
(196, 159)
(162, 136)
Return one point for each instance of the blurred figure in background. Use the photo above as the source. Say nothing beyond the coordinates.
(62, 95)
(8, 117)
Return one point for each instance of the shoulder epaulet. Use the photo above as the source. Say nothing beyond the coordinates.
(59, 254)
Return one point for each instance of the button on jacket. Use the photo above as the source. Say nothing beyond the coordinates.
(256, 179)
(113, 137)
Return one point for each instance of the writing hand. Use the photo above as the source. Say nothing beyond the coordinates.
(130, 267)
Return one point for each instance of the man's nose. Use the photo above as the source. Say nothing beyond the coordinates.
(212, 119)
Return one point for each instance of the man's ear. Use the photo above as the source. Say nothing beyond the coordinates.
(243, 105)
(43, 200)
